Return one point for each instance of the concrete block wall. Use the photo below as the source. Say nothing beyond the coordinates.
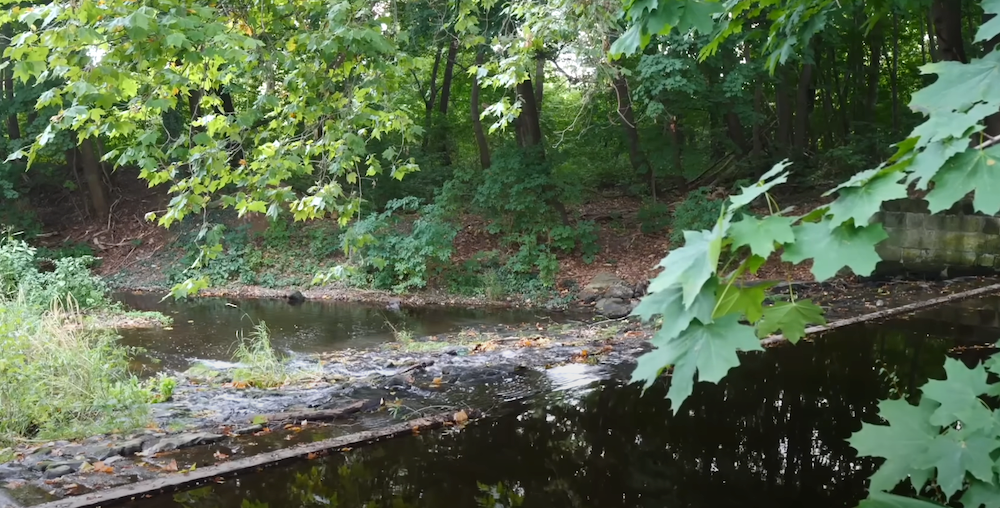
(919, 240)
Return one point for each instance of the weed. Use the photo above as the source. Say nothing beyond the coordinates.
(653, 217)
(260, 365)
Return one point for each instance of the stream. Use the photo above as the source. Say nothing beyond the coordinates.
(556, 434)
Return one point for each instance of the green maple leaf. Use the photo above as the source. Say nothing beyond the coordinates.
(791, 318)
(959, 85)
(776, 175)
(691, 265)
(906, 439)
(747, 301)
(884, 500)
(955, 453)
(861, 203)
(943, 125)
(676, 317)
(706, 349)
(927, 163)
(981, 494)
(971, 170)
(957, 393)
(991, 28)
(761, 234)
(698, 14)
(845, 245)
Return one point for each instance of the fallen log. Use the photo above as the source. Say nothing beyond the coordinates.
(882, 314)
(176, 481)
(314, 415)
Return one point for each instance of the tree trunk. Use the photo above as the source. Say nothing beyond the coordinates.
(803, 104)
(931, 41)
(449, 71)
(528, 125)
(235, 148)
(894, 78)
(92, 174)
(539, 81)
(477, 123)
(627, 119)
(875, 61)
(758, 128)
(734, 129)
(947, 20)
(784, 109)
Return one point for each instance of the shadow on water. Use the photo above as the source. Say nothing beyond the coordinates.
(205, 328)
(772, 433)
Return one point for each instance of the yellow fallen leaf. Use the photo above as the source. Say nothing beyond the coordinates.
(461, 417)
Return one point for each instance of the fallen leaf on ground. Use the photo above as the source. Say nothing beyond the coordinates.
(219, 455)
(170, 466)
(461, 417)
(101, 467)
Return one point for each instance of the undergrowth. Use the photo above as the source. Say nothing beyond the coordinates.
(259, 364)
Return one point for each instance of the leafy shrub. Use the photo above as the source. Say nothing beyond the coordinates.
(70, 279)
(696, 212)
(397, 255)
(653, 216)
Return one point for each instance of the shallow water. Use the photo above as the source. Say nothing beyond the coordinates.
(205, 329)
(771, 434)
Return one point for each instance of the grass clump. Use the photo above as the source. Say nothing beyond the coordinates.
(62, 380)
(260, 365)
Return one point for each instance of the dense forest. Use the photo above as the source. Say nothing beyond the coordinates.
(518, 114)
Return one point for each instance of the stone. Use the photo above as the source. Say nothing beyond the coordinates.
(248, 430)
(56, 472)
(892, 219)
(613, 308)
(619, 291)
(179, 441)
(296, 297)
(973, 223)
(603, 281)
(8, 471)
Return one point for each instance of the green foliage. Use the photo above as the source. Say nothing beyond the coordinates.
(259, 364)
(58, 380)
(653, 217)
(402, 255)
(697, 211)
(70, 282)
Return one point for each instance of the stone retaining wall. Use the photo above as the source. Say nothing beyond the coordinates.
(922, 241)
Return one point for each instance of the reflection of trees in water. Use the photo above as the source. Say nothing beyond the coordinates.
(774, 431)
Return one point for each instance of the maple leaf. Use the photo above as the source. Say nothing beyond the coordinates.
(971, 170)
(690, 266)
(956, 452)
(774, 176)
(861, 203)
(706, 349)
(761, 234)
(927, 163)
(831, 250)
(981, 494)
(747, 301)
(958, 393)
(791, 318)
(959, 85)
(676, 317)
(990, 28)
(902, 442)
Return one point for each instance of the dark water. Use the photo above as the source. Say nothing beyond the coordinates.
(206, 328)
(771, 434)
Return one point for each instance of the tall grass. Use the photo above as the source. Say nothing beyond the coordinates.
(260, 365)
(62, 380)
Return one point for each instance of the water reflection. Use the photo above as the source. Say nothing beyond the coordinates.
(205, 328)
(773, 433)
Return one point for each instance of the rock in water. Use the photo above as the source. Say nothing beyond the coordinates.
(613, 308)
(393, 305)
(296, 297)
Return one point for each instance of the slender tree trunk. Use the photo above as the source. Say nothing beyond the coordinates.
(875, 61)
(895, 72)
(449, 71)
(931, 40)
(92, 174)
(804, 98)
(627, 120)
(923, 45)
(539, 81)
(947, 20)
(7, 94)
(734, 129)
(758, 127)
(784, 110)
(235, 148)
(477, 123)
